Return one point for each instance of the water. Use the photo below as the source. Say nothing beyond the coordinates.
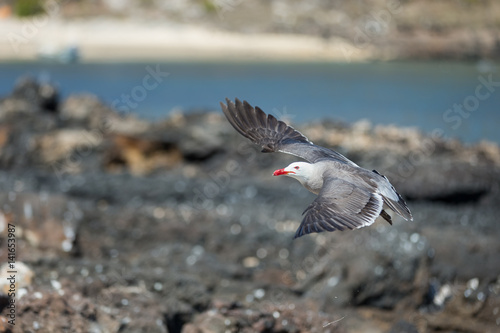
(401, 93)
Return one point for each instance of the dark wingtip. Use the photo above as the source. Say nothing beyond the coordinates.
(386, 216)
(229, 101)
(298, 233)
(227, 105)
(246, 104)
(402, 202)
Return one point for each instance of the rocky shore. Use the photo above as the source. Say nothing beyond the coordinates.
(124, 225)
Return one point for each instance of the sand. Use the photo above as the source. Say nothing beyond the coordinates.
(128, 40)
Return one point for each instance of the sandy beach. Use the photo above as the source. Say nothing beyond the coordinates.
(253, 31)
(126, 40)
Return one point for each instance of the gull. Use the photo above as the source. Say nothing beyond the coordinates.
(348, 196)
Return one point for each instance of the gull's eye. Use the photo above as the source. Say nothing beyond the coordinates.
(296, 168)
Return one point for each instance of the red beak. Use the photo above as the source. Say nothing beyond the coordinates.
(281, 172)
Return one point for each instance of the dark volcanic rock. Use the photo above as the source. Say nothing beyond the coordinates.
(30, 95)
(86, 111)
(179, 226)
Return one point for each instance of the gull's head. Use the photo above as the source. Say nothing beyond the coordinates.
(298, 170)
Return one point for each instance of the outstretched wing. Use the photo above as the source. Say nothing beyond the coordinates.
(274, 135)
(392, 198)
(340, 205)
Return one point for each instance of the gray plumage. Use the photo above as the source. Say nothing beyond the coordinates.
(349, 197)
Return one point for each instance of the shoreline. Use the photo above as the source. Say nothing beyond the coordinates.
(101, 40)
(122, 40)
(237, 31)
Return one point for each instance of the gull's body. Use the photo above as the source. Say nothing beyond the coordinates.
(349, 197)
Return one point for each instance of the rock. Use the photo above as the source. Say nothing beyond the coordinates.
(49, 311)
(141, 156)
(183, 218)
(199, 136)
(121, 308)
(40, 95)
(268, 318)
(212, 323)
(29, 96)
(66, 146)
(403, 327)
(4, 136)
(5, 327)
(23, 276)
(45, 225)
(86, 110)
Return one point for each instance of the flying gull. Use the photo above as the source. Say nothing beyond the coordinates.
(349, 197)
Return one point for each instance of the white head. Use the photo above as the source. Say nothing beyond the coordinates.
(298, 170)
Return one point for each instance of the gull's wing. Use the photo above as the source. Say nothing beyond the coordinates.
(392, 198)
(340, 205)
(274, 135)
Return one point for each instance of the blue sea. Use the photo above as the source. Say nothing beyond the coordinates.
(463, 99)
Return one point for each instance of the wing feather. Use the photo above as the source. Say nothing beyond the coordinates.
(340, 205)
(392, 198)
(274, 135)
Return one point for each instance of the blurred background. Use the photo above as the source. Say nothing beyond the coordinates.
(138, 208)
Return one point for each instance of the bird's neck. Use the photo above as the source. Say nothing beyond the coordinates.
(313, 181)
